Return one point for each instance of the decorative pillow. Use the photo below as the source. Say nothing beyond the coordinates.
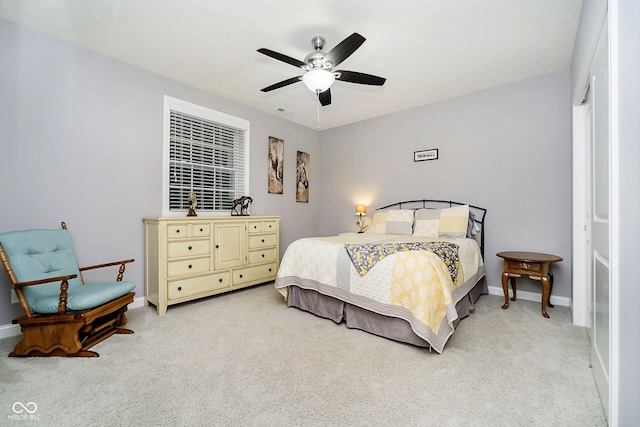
(453, 222)
(400, 221)
(427, 221)
(473, 228)
(378, 223)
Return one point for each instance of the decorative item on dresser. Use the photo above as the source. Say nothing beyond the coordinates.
(191, 258)
(243, 203)
(193, 202)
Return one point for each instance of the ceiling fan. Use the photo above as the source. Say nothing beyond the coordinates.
(319, 67)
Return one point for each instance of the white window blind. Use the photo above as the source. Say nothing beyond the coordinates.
(206, 157)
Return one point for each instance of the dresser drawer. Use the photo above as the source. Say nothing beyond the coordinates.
(256, 257)
(200, 230)
(262, 226)
(188, 248)
(188, 266)
(180, 231)
(197, 285)
(262, 241)
(528, 268)
(253, 274)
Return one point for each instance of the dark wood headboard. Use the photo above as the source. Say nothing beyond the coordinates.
(476, 215)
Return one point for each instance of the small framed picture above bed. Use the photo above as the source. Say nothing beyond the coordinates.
(422, 155)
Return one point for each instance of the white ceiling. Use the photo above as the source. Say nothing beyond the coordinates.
(428, 50)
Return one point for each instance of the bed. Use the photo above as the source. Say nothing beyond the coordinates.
(411, 276)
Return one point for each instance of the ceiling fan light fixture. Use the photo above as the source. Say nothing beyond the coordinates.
(318, 80)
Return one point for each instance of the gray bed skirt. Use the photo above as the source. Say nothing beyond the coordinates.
(365, 320)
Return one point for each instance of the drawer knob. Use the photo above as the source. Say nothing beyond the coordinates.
(269, 270)
(190, 247)
(262, 240)
(241, 276)
(179, 288)
(217, 246)
(190, 266)
(201, 230)
(262, 255)
(525, 265)
(178, 230)
(220, 280)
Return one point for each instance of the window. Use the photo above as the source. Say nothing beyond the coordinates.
(206, 152)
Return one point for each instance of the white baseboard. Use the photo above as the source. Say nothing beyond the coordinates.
(11, 330)
(138, 302)
(531, 296)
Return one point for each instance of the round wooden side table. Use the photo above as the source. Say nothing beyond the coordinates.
(533, 264)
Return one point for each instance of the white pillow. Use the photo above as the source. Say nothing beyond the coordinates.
(427, 222)
(453, 222)
(426, 228)
(400, 221)
(378, 223)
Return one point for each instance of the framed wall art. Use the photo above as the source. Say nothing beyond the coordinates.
(302, 177)
(422, 155)
(276, 165)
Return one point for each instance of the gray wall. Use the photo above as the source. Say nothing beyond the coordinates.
(507, 149)
(82, 142)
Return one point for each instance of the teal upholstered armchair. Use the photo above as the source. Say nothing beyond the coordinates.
(63, 315)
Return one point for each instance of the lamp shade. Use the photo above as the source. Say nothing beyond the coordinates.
(361, 210)
(318, 80)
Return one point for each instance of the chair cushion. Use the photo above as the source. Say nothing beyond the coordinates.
(84, 297)
(40, 254)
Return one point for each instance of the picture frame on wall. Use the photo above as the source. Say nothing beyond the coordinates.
(276, 165)
(302, 177)
(422, 155)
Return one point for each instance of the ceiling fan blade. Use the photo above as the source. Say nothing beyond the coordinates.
(282, 57)
(361, 78)
(325, 97)
(344, 49)
(282, 84)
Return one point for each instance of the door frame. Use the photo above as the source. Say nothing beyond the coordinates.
(607, 12)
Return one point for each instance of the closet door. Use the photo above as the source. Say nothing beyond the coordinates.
(599, 221)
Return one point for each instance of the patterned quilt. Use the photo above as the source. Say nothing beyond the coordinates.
(366, 256)
(415, 285)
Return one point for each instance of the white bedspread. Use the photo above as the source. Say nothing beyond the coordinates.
(413, 285)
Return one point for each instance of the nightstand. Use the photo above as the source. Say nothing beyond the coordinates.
(532, 264)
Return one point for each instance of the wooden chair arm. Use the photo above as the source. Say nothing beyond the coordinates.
(111, 264)
(62, 299)
(47, 280)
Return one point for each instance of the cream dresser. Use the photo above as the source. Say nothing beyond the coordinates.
(193, 257)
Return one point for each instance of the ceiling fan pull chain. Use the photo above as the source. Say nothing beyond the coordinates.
(318, 104)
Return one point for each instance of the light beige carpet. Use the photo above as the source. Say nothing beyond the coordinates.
(246, 359)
